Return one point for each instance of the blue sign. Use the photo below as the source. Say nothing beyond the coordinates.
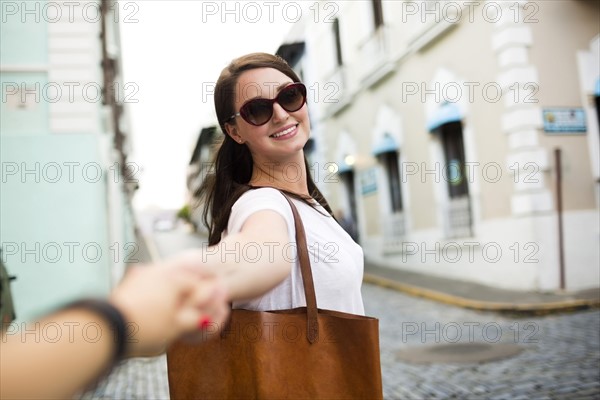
(368, 181)
(564, 120)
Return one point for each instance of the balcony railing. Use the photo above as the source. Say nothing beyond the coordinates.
(376, 55)
(458, 218)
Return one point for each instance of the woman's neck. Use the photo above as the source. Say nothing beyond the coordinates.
(286, 175)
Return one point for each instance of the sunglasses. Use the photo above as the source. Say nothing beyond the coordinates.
(259, 111)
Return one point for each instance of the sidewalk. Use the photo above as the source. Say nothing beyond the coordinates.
(478, 296)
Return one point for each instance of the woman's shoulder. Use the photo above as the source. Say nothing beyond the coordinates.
(261, 198)
(261, 194)
(263, 191)
(255, 200)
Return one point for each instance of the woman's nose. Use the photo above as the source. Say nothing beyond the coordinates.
(279, 114)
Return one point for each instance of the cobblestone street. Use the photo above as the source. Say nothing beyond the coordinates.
(138, 378)
(560, 357)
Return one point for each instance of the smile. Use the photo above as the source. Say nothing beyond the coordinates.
(284, 132)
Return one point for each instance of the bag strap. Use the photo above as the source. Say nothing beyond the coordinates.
(312, 323)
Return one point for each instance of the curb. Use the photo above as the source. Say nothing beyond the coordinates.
(566, 305)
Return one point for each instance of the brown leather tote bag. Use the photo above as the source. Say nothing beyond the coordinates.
(302, 353)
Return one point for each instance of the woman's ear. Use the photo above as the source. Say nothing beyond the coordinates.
(232, 131)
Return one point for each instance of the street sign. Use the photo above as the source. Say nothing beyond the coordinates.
(564, 121)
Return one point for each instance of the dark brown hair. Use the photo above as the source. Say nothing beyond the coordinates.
(233, 162)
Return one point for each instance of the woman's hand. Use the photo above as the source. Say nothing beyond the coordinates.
(164, 302)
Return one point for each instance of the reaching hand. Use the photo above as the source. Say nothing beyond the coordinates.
(164, 302)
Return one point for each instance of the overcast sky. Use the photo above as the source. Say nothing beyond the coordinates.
(171, 51)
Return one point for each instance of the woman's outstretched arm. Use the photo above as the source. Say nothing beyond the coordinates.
(252, 261)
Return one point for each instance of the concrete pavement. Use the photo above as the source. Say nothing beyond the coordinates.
(477, 296)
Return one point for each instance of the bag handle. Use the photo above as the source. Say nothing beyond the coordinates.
(312, 323)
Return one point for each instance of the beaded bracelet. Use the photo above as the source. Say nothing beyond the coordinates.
(115, 319)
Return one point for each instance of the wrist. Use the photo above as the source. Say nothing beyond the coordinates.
(115, 320)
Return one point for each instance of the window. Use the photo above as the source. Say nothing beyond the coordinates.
(597, 99)
(389, 160)
(338, 42)
(347, 179)
(309, 152)
(454, 154)
(458, 212)
(377, 13)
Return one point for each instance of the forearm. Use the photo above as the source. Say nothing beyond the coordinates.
(251, 269)
(63, 353)
(56, 356)
(249, 262)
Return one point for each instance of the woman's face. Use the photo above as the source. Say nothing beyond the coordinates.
(285, 134)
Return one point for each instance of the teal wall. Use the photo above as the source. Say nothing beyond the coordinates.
(33, 119)
(43, 210)
(23, 43)
(54, 214)
(23, 40)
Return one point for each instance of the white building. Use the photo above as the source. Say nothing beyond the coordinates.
(443, 119)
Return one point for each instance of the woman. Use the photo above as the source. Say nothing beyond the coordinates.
(261, 107)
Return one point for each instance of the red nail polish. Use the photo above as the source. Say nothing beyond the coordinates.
(204, 323)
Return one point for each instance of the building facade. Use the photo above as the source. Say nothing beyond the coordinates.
(199, 167)
(67, 226)
(446, 122)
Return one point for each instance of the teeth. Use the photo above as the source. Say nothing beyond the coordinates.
(288, 130)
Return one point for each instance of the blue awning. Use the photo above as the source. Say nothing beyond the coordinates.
(387, 144)
(343, 167)
(445, 113)
(597, 89)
